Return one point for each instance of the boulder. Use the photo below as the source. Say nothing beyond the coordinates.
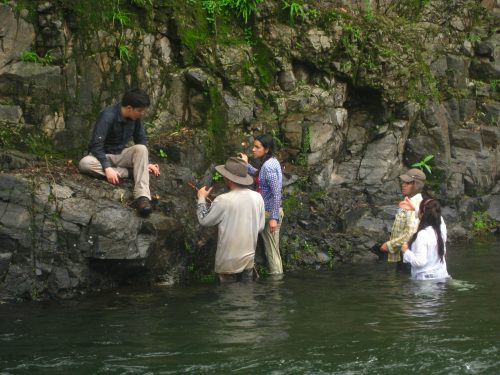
(494, 208)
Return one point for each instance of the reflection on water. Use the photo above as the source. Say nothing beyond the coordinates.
(362, 319)
(249, 313)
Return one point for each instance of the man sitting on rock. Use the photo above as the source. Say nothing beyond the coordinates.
(108, 155)
(405, 222)
(240, 216)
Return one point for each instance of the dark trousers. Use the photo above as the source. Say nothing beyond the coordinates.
(244, 276)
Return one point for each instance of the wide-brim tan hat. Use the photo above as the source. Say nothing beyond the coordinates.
(413, 174)
(235, 170)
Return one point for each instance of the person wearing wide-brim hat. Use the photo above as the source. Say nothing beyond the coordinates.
(239, 215)
(405, 222)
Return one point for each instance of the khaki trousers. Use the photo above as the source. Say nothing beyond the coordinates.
(272, 246)
(135, 157)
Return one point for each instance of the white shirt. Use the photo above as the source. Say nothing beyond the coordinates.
(424, 257)
(240, 217)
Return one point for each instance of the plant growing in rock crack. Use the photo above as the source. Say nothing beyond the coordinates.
(32, 56)
(424, 163)
(295, 10)
(121, 17)
(495, 85)
(242, 8)
(248, 36)
(306, 144)
(123, 52)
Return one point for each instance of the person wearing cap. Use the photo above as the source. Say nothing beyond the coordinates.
(239, 215)
(406, 221)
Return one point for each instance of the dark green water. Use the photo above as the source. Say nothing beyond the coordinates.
(362, 319)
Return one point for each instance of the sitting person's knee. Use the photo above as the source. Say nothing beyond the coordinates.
(84, 165)
(140, 148)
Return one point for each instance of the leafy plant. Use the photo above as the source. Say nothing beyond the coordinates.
(295, 10)
(121, 17)
(312, 13)
(248, 35)
(217, 176)
(495, 85)
(163, 154)
(481, 222)
(351, 38)
(124, 52)
(31, 56)
(306, 144)
(242, 8)
(40, 145)
(10, 135)
(473, 37)
(424, 163)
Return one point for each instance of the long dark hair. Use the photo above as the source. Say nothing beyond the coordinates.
(267, 141)
(430, 212)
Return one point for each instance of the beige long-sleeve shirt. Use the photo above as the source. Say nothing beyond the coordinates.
(239, 216)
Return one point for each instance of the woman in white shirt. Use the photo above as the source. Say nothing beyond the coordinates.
(427, 247)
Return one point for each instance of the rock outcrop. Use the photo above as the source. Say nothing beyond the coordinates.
(352, 94)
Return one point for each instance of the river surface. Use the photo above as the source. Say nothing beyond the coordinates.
(356, 319)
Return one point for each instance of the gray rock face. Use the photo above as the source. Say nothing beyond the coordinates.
(380, 158)
(494, 208)
(16, 36)
(59, 227)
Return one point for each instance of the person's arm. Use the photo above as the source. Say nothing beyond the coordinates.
(252, 170)
(271, 177)
(262, 218)
(208, 216)
(409, 227)
(99, 136)
(140, 133)
(417, 256)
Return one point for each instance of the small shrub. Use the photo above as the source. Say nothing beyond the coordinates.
(481, 222)
(31, 56)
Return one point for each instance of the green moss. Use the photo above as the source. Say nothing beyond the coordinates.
(216, 123)
(10, 136)
(263, 59)
(290, 204)
(191, 25)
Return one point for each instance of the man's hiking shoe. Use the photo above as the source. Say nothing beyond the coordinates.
(143, 206)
